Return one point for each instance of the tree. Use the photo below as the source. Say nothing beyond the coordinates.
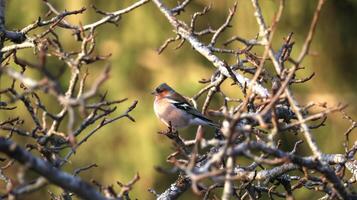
(52, 133)
(245, 158)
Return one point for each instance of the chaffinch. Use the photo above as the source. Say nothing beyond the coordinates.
(171, 107)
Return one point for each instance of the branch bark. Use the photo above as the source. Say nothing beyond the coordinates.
(52, 174)
(2, 26)
(176, 189)
(182, 29)
(310, 163)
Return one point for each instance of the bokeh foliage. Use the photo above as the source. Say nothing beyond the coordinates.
(124, 148)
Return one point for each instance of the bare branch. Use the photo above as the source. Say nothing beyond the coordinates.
(45, 169)
(183, 30)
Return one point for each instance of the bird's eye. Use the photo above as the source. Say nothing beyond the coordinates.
(158, 90)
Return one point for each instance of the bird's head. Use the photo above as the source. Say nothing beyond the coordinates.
(163, 90)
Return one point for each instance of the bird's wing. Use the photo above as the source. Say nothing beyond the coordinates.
(184, 105)
(176, 97)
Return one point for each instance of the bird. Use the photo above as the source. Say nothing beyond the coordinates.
(175, 111)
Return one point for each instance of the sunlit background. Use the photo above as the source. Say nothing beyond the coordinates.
(124, 148)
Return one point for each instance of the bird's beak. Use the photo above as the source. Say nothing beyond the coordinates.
(154, 93)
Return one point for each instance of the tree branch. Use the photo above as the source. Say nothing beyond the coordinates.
(45, 169)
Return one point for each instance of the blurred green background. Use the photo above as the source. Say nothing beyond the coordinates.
(124, 148)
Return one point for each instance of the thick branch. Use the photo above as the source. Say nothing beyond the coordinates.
(176, 189)
(310, 163)
(182, 29)
(2, 26)
(45, 169)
